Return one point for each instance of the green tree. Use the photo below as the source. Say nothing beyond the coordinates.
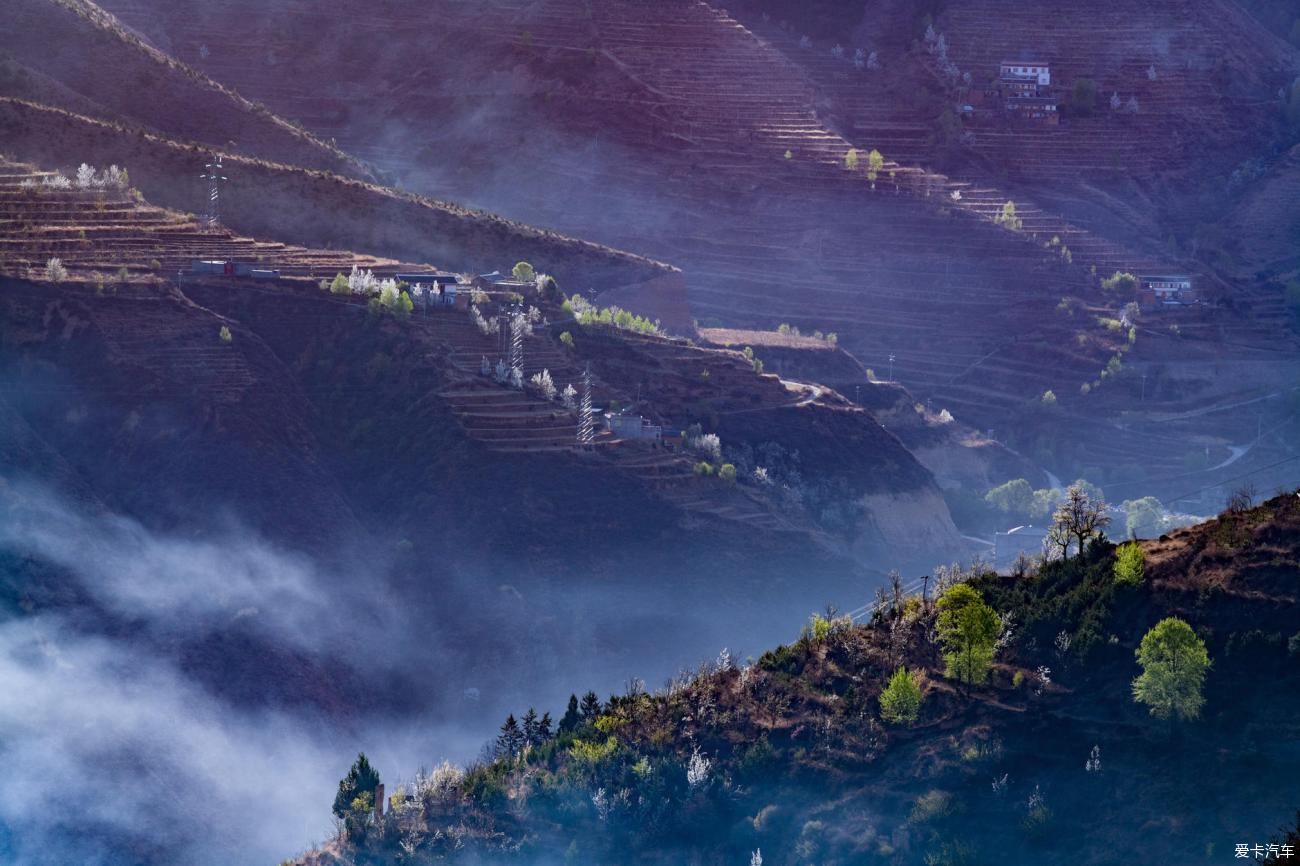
(727, 472)
(224, 334)
(1120, 284)
(523, 272)
(361, 780)
(1174, 662)
(1007, 217)
(875, 162)
(404, 306)
(572, 716)
(340, 285)
(1083, 97)
(900, 702)
(590, 707)
(1130, 564)
(851, 159)
(969, 631)
(1145, 517)
(566, 339)
(1014, 497)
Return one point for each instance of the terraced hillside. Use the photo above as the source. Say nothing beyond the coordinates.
(295, 205)
(110, 236)
(1204, 76)
(728, 108)
(675, 123)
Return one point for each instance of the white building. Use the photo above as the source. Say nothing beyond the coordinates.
(1039, 73)
(633, 427)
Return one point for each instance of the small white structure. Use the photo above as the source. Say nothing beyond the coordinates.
(1037, 72)
(1009, 545)
(633, 427)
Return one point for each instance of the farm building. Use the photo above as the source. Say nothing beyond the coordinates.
(633, 427)
(1034, 74)
(1041, 108)
(438, 288)
(1166, 290)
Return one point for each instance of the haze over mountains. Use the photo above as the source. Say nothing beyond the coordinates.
(302, 521)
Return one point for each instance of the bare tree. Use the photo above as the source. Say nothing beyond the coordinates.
(1079, 519)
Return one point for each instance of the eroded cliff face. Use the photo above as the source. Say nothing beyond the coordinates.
(911, 531)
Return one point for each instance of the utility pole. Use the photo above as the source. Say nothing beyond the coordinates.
(925, 589)
(891, 366)
(215, 179)
(1144, 387)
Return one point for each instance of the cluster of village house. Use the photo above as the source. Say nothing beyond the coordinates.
(1022, 90)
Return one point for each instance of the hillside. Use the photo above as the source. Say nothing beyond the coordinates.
(787, 754)
(74, 55)
(714, 143)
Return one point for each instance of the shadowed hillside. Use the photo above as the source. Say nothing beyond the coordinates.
(795, 754)
(75, 55)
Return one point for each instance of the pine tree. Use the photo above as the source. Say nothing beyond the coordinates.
(511, 740)
(572, 718)
(361, 779)
(590, 707)
(531, 732)
(544, 732)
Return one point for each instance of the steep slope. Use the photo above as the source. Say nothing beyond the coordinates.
(76, 55)
(1052, 762)
(668, 126)
(295, 205)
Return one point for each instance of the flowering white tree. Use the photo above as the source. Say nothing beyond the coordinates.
(502, 372)
(484, 326)
(362, 281)
(601, 801)
(1093, 764)
(873, 60)
(697, 769)
(85, 176)
(707, 444)
(388, 293)
(544, 384)
(114, 178)
(55, 272)
(516, 378)
(756, 859)
(56, 181)
(569, 397)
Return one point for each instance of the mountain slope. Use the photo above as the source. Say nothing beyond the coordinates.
(101, 67)
(787, 755)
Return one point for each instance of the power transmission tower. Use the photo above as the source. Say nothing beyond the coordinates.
(517, 322)
(586, 424)
(215, 179)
